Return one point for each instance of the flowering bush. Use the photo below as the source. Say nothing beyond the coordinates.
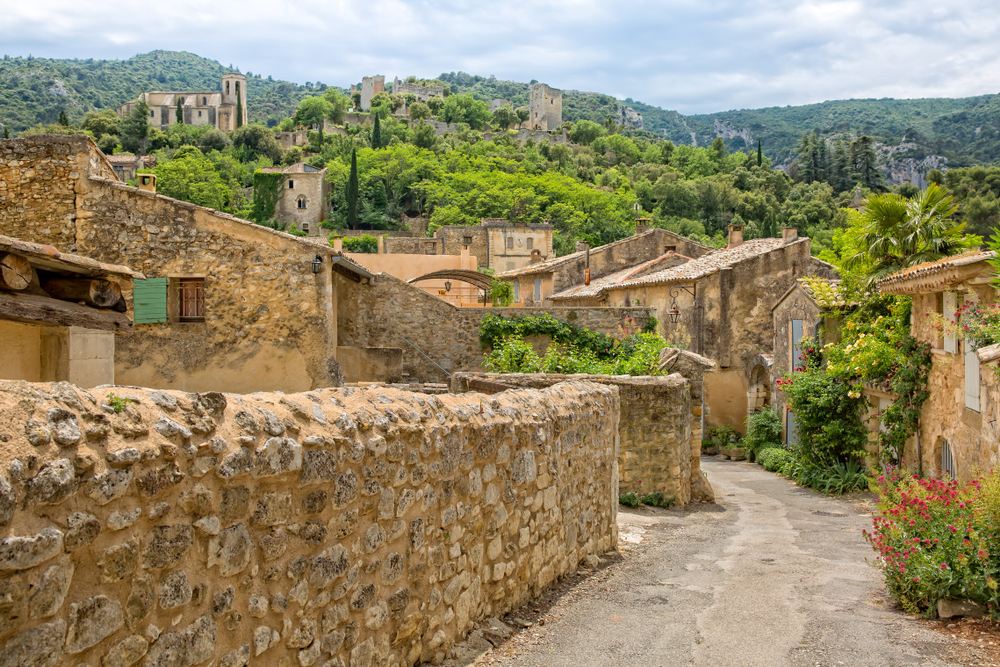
(938, 540)
(637, 355)
(975, 322)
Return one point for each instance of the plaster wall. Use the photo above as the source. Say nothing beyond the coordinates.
(338, 527)
(20, 356)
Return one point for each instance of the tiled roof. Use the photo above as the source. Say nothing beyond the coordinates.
(933, 273)
(552, 264)
(709, 264)
(598, 285)
(297, 168)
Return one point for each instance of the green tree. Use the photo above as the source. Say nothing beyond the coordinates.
(63, 118)
(353, 192)
(866, 163)
(892, 233)
(179, 112)
(100, 123)
(435, 104)
(6, 132)
(376, 135)
(522, 115)
(239, 108)
(423, 136)
(585, 131)
(254, 141)
(760, 155)
(314, 111)
(340, 104)
(193, 178)
(504, 117)
(135, 129)
(420, 111)
(464, 108)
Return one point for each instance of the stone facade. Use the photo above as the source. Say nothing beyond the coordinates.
(389, 310)
(558, 274)
(545, 108)
(305, 197)
(218, 109)
(423, 93)
(270, 322)
(497, 243)
(655, 430)
(370, 87)
(338, 527)
(959, 421)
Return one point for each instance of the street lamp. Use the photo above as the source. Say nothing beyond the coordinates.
(674, 313)
(317, 264)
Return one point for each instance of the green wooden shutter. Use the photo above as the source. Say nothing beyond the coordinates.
(149, 300)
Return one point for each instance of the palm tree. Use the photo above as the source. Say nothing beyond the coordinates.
(895, 232)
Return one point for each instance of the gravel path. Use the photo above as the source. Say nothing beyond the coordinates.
(773, 575)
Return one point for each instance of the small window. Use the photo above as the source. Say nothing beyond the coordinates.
(199, 114)
(467, 240)
(227, 87)
(305, 227)
(291, 185)
(530, 243)
(510, 242)
(191, 299)
(151, 112)
(237, 87)
(204, 101)
(669, 248)
(538, 289)
(301, 203)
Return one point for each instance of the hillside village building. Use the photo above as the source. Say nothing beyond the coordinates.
(305, 197)
(370, 87)
(497, 243)
(224, 110)
(423, 93)
(959, 431)
(545, 108)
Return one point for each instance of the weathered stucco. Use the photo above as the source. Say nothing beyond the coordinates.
(655, 430)
(337, 527)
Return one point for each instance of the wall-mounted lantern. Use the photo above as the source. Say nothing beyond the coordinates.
(317, 264)
(674, 313)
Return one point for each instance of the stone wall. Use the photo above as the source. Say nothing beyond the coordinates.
(339, 527)
(655, 431)
(387, 311)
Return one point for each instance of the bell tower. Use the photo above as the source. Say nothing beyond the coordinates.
(234, 91)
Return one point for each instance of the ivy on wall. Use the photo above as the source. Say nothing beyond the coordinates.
(266, 193)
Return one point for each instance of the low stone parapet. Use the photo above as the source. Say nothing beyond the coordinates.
(354, 526)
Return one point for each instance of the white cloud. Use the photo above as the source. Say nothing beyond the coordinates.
(691, 56)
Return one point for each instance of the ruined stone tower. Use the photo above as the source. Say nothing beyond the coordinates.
(545, 107)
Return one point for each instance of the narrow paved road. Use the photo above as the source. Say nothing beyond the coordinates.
(774, 575)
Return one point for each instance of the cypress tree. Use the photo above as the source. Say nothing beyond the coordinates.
(239, 109)
(377, 134)
(6, 132)
(63, 119)
(352, 192)
(180, 112)
(760, 156)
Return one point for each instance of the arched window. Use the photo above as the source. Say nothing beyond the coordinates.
(301, 202)
(204, 101)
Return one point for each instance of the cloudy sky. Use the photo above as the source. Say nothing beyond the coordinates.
(695, 56)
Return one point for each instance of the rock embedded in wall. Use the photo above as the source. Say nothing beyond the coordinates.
(337, 527)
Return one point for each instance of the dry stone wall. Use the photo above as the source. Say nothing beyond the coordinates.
(337, 528)
(655, 430)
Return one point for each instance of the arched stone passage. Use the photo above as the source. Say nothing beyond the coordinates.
(759, 383)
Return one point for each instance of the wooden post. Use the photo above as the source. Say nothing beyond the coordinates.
(15, 272)
(92, 291)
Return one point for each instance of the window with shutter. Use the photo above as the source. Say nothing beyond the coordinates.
(971, 377)
(950, 307)
(149, 300)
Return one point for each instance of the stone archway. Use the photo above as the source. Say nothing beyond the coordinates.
(759, 383)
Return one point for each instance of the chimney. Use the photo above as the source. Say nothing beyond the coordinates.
(338, 243)
(147, 182)
(536, 257)
(789, 234)
(642, 225)
(735, 235)
(580, 245)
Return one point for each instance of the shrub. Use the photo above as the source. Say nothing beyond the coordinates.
(938, 540)
(828, 416)
(774, 458)
(763, 431)
(629, 499)
(364, 243)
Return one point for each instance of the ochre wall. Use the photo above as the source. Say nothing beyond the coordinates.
(337, 527)
(20, 352)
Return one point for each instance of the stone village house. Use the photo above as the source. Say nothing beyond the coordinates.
(958, 432)
(224, 110)
(717, 305)
(305, 197)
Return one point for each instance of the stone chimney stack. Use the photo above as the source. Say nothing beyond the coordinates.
(147, 182)
(789, 234)
(536, 257)
(642, 225)
(338, 243)
(735, 235)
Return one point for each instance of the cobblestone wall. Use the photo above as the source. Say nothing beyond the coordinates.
(382, 314)
(655, 429)
(342, 527)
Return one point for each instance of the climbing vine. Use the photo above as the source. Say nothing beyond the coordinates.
(266, 194)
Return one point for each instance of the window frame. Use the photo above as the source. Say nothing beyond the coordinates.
(178, 298)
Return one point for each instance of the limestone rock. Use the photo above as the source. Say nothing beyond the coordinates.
(345, 490)
(303, 635)
(54, 483)
(258, 606)
(234, 504)
(8, 502)
(91, 621)
(159, 479)
(328, 566)
(222, 601)
(141, 600)
(263, 639)
(231, 550)
(51, 591)
(237, 463)
(953, 608)
(126, 652)
(167, 545)
(21, 553)
(83, 530)
(272, 424)
(39, 647)
(65, 427)
(122, 520)
(208, 525)
(37, 433)
(109, 485)
(168, 428)
(276, 457)
(317, 467)
(189, 646)
(165, 401)
(13, 603)
(126, 456)
(118, 561)
(175, 590)
(273, 544)
(273, 509)
(237, 658)
(247, 422)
